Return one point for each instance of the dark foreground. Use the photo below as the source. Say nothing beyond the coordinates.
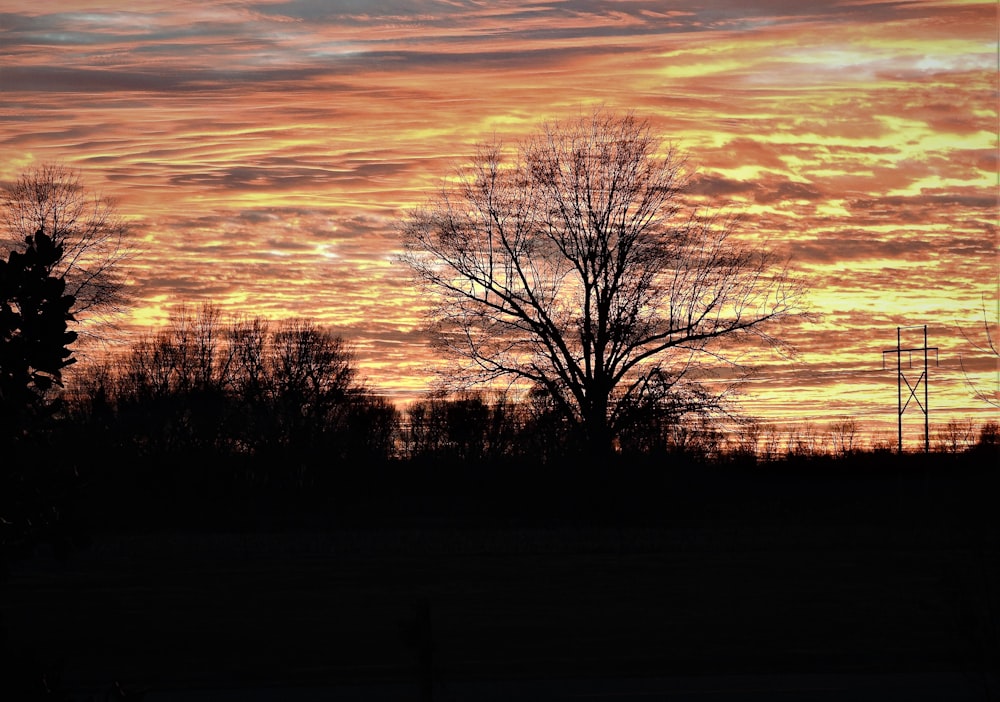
(894, 604)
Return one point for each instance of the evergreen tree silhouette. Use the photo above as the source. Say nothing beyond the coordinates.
(34, 339)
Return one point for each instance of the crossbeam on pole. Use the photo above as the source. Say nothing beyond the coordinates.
(901, 378)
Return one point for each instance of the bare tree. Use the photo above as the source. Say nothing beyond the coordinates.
(311, 365)
(985, 346)
(95, 240)
(573, 263)
(843, 435)
(471, 427)
(956, 436)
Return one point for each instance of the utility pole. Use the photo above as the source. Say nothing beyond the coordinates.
(901, 378)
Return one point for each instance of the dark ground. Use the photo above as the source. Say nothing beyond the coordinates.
(771, 588)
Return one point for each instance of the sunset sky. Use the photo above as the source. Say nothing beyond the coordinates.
(265, 152)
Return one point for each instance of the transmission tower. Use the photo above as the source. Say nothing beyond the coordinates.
(901, 378)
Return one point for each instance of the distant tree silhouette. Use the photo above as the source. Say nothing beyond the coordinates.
(546, 433)
(94, 241)
(671, 421)
(34, 340)
(169, 387)
(955, 436)
(469, 428)
(208, 402)
(427, 427)
(989, 438)
(371, 429)
(843, 434)
(312, 374)
(574, 264)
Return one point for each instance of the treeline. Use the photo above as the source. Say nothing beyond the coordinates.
(282, 403)
(241, 421)
(285, 401)
(210, 390)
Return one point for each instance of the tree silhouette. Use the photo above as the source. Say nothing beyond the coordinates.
(207, 403)
(470, 427)
(94, 241)
(574, 264)
(986, 346)
(34, 341)
(34, 349)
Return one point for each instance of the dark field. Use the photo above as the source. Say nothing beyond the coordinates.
(777, 579)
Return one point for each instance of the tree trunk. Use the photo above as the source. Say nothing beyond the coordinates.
(597, 440)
